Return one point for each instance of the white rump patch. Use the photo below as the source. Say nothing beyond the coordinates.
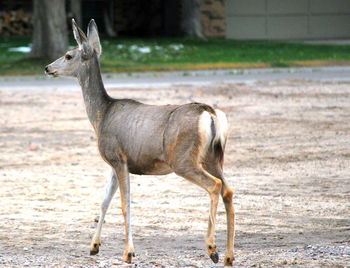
(205, 134)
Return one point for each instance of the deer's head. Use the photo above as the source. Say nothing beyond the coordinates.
(71, 63)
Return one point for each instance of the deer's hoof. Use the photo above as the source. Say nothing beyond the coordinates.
(128, 256)
(228, 261)
(93, 252)
(95, 248)
(214, 257)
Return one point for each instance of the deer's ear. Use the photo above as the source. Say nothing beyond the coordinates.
(93, 38)
(86, 51)
(79, 35)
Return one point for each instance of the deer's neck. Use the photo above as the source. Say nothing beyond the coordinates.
(95, 96)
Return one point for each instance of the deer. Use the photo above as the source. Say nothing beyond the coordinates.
(143, 139)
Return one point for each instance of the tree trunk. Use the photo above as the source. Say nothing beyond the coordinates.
(108, 18)
(75, 6)
(50, 39)
(191, 18)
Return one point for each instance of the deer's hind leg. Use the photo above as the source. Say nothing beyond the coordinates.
(212, 185)
(110, 191)
(214, 167)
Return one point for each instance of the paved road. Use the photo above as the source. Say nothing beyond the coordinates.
(184, 77)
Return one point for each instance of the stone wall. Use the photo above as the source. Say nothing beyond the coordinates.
(213, 18)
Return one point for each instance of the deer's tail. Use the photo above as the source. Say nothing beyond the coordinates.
(220, 128)
(213, 131)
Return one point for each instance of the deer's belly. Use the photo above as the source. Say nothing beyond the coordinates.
(155, 167)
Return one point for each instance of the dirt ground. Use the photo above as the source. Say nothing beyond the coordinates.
(287, 158)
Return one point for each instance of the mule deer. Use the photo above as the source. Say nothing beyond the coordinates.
(137, 138)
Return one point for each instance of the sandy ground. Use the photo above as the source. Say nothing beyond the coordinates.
(288, 159)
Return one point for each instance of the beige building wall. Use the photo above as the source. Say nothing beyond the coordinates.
(287, 19)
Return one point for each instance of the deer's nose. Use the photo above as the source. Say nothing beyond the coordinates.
(46, 69)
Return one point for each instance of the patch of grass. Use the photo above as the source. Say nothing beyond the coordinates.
(16, 63)
(132, 54)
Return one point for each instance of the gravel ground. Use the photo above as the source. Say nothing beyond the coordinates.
(287, 158)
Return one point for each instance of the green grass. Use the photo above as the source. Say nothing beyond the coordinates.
(121, 54)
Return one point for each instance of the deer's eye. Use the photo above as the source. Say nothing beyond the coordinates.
(68, 57)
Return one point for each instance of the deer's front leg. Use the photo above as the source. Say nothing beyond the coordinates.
(110, 191)
(124, 186)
